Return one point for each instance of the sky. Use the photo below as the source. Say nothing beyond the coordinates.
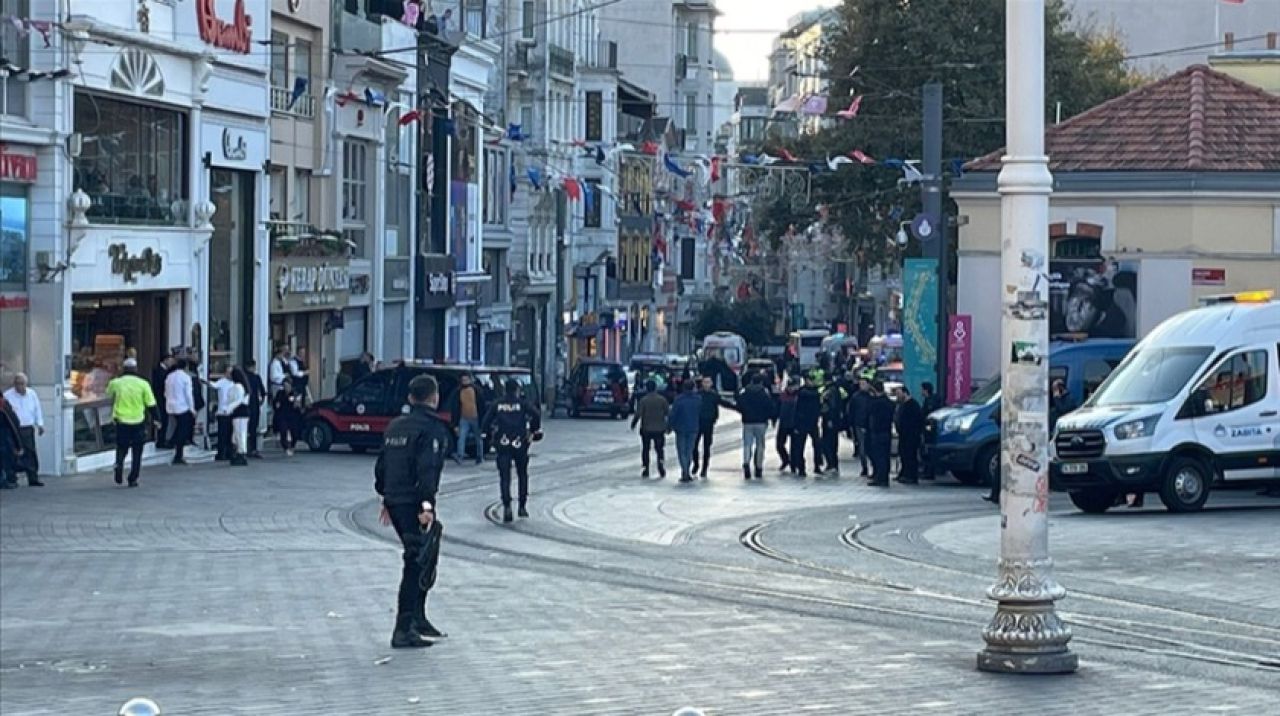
(748, 52)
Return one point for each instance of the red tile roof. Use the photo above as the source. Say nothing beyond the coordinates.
(1198, 120)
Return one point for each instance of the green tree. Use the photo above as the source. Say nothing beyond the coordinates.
(750, 319)
(886, 51)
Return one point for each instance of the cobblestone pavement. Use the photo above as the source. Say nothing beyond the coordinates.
(269, 590)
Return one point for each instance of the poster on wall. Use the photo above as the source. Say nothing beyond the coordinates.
(919, 325)
(959, 358)
(1093, 298)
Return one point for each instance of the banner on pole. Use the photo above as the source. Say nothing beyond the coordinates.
(959, 359)
(919, 322)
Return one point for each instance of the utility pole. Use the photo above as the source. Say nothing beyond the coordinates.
(931, 199)
(1026, 635)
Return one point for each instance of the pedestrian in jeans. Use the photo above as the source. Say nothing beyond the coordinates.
(180, 405)
(756, 407)
(683, 421)
(651, 415)
(466, 407)
(708, 416)
(859, 413)
(132, 402)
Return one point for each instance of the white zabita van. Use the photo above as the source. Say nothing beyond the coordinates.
(1195, 406)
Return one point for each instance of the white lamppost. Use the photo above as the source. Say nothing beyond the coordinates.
(1026, 635)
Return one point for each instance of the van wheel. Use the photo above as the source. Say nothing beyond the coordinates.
(319, 436)
(1094, 501)
(1186, 485)
(987, 467)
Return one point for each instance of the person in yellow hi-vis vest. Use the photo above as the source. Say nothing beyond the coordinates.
(133, 403)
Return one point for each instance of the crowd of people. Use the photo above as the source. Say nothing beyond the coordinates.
(810, 414)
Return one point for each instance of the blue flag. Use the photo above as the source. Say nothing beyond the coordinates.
(299, 89)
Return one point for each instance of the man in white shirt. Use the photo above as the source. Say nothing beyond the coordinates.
(26, 405)
(224, 386)
(180, 404)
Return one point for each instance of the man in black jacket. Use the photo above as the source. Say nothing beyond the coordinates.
(257, 396)
(859, 410)
(808, 409)
(929, 402)
(910, 423)
(879, 434)
(786, 421)
(708, 416)
(833, 410)
(158, 375)
(513, 423)
(757, 408)
(407, 476)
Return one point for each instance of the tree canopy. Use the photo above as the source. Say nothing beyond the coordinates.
(750, 319)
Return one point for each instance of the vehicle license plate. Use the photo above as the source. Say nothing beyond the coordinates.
(1075, 468)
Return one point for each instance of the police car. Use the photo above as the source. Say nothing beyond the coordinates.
(1195, 406)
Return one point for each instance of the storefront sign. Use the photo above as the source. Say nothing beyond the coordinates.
(435, 281)
(236, 35)
(17, 167)
(1208, 277)
(959, 363)
(310, 283)
(234, 146)
(395, 279)
(129, 266)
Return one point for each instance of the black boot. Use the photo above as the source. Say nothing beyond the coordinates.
(523, 512)
(662, 470)
(506, 513)
(423, 626)
(34, 481)
(746, 472)
(759, 472)
(404, 637)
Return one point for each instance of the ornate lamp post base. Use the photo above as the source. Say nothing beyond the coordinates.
(1027, 638)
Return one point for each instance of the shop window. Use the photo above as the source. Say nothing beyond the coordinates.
(355, 195)
(133, 161)
(16, 49)
(1077, 247)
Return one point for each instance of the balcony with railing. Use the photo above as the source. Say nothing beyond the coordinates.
(298, 238)
(282, 101)
(560, 61)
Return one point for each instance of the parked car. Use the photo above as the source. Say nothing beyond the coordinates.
(598, 386)
(358, 416)
(965, 439)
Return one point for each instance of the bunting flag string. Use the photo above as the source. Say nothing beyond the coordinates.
(852, 111)
(412, 115)
(515, 133)
(814, 105)
(674, 168)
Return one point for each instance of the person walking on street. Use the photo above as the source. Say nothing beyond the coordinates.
(708, 416)
(786, 422)
(879, 434)
(859, 414)
(466, 407)
(683, 421)
(651, 415)
(11, 450)
(278, 369)
(808, 411)
(223, 386)
(832, 410)
(756, 407)
(180, 406)
(132, 403)
(286, 416)
(257, 396)
(514, 424)
(26, 408)
(238, 399)
(909, 420)
(406, 478)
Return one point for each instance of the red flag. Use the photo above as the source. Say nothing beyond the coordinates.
(345, 97)
(715, 169)
(857, 154)
(649, 148)
(571, 188)
(412, 115)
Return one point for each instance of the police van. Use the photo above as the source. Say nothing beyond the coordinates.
(1195, 406)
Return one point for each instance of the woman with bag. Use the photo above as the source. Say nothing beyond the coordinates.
(287, 416)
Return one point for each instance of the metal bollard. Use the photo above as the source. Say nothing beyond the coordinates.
(139, 706)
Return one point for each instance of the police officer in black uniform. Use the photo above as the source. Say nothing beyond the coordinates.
(513, 423)
(407, 476)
